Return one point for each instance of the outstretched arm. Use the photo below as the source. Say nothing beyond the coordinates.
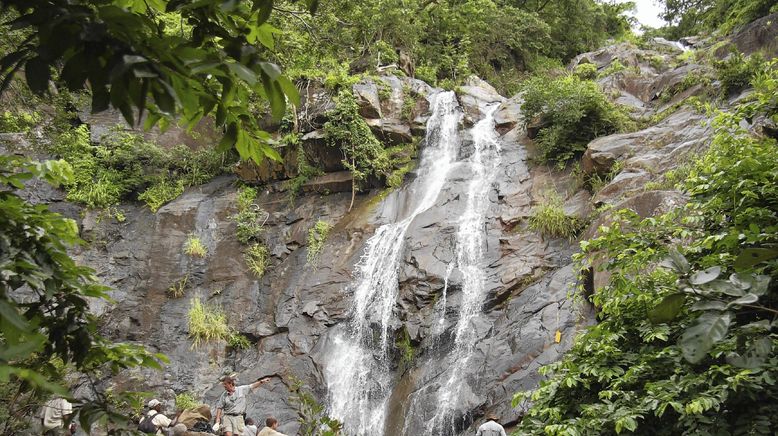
(259, 383)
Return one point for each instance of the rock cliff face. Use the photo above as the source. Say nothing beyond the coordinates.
(294, 313)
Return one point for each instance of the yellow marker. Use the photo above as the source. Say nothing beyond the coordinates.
(558, 337)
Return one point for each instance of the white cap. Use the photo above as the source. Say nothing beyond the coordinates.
(153, 403)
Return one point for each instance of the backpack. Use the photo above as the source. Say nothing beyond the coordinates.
(146, 425)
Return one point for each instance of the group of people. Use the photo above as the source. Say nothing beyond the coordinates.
(230, 417)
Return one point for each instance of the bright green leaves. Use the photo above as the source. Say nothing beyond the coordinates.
(121, 53)
(712, 296)
(698, 339)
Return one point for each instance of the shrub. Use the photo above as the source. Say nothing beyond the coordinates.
(585, 71)
(364, 154)
(185, 401)
(257, 259)
(178, 289)
(123, 165)
(614, 67)
(206, 323)
(194, 247)
(736, 72)
(551, 220)
(239, 341)
(21, 121)
(571, 112)
(317, 235)
(161, 193)
(247, 220)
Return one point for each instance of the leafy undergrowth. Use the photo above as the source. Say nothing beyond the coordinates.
(687, 335)
(124, 166)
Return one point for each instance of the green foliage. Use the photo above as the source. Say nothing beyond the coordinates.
(247, 220)
(447, 41)
(136, 64)
(614, 67)
(186, 400)
(405, 349)
(123, 164)
(238, 341)
(312, 414)
(207, 323)
(571, 112)
(161, 193)
(585, 71)
(364, 154)
(686, 18)
(317, 236)
(20, 121)
(686, 341)
(194, 247)
(737, 71)
(257, 258)
(178, 289)
(409, 103)
(53, 328)
(550, 219)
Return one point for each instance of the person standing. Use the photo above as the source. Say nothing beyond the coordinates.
(491, 427)
(232, 405)
(55, 413)
(158, 419)
(271, 424)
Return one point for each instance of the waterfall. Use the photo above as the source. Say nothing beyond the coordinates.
(470, 249)
(359, 375)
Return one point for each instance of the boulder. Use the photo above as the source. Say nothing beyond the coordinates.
(508, 114)
(366, 94)
(474, 96)
(680, 133)
(758, 36)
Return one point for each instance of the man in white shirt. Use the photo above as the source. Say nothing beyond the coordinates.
(55, 412)
(155, 415)
(232, 405)
(491, 427)
(251, 428)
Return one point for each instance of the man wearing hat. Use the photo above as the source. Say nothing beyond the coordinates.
(491, 427)
(155, 415)
(232, 405)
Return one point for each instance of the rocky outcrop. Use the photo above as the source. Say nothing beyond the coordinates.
(760, 36)
(654, 149)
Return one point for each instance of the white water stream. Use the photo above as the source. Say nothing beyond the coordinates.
(470, 250)
(359, 375)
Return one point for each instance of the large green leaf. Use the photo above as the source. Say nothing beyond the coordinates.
(698, 339)
(705, 276)
(667, 309)
(753, 256)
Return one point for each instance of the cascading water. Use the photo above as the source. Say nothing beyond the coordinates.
(359, 375)
(470, 248)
